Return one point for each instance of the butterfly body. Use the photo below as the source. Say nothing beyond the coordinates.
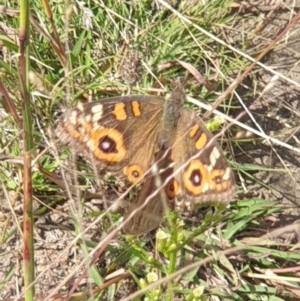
(154, 142)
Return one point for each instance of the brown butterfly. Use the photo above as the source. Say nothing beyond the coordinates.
(154, 142)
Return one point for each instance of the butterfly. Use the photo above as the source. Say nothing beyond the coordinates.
(156, 143)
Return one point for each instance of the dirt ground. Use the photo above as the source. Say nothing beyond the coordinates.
(276, 109)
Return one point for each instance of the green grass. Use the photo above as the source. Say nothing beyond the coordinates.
(224, 253)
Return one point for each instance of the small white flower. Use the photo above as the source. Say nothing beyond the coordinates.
(219, 119)
(152, 277)
(161, 235)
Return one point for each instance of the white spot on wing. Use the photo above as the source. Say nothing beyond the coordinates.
(73, 118)
(226, 175)
(88, 118)
(205, 187)
(209, 168)
(188, 206)
(96, 126)
(97, 116)
(80, 106)
(97, 109)
(214, 156)
(90, 145)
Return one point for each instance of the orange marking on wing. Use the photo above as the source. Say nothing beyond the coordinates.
(201, 141)
(222, 185)
(195, 166)
(88, 127)
(136, 110)
(133, 173)
(225, 185)
(113, 134)
(194, 130)
(119, 111)
(172, 189)
(73, 132)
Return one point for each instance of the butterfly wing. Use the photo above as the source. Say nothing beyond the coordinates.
(201, 172)
(146, 211)
(193, 170)
(120, 133)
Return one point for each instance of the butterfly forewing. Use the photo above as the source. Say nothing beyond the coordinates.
(120, 133)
